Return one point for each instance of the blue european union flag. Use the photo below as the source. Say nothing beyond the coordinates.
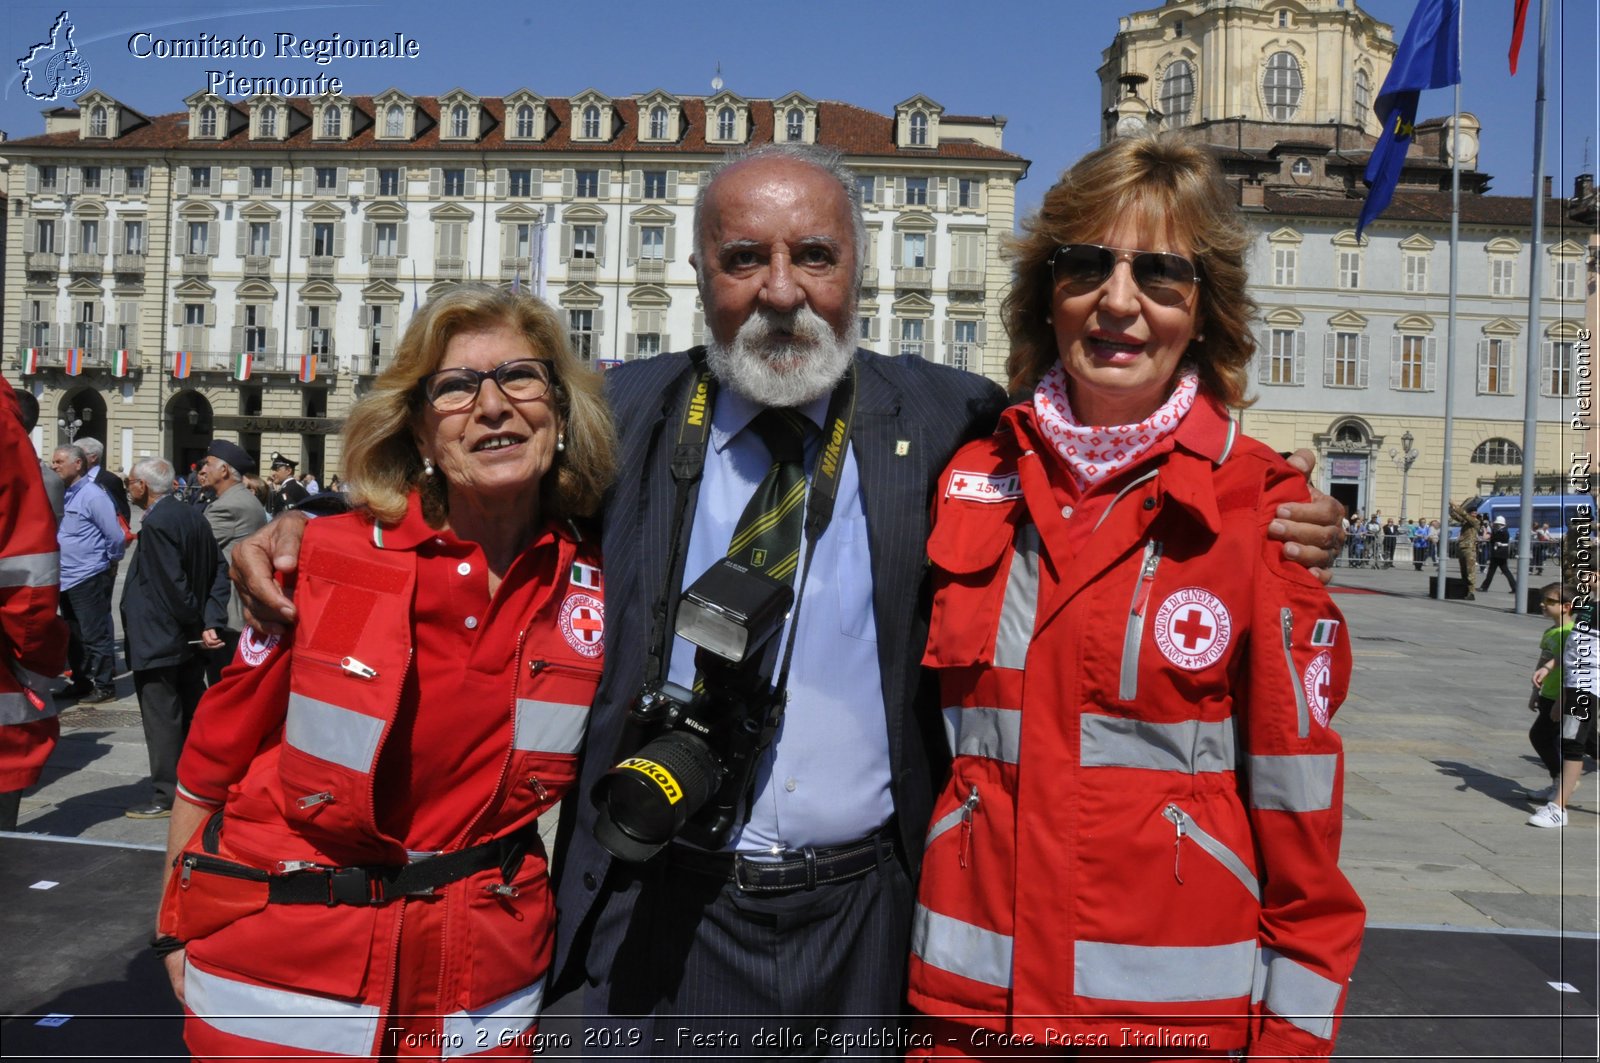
(1429, 57)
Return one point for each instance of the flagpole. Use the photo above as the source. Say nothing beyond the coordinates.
(1450, 326)
(1530, 407)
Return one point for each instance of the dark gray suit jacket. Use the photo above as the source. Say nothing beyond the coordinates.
(904, 404)
(176, 586)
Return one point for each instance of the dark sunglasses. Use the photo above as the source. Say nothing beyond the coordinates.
(453, 390)
(1165, 278)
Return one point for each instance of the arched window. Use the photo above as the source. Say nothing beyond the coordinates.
(394, 121)
(1301, 167)
(725, 124)
(919, 129)
(1363, 93)
(97, 121)
(269, 121)
(658, 122)
(332, 121)
(458, 120)
(208, 121)
(1283, 85)
(525, 121)
(1177, 92)
(591, 122)
(1497, 451)
(794, 126)
(1349, 433)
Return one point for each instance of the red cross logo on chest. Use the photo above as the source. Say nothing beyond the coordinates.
(1192, 629)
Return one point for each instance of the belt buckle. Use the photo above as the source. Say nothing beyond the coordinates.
(352, 885)
(739, 863)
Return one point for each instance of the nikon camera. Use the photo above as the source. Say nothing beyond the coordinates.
(688, 757)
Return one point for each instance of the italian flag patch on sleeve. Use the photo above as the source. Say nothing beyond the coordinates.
(585, 576)
(1324, 633)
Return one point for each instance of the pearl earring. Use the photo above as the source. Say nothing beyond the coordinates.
(561, 444)
(427, 466)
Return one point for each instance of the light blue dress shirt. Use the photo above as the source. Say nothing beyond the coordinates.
(89, 536)
(825, 779)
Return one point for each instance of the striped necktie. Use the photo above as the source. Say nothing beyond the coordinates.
(767, 537)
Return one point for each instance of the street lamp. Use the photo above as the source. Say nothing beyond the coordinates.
(1403, 460)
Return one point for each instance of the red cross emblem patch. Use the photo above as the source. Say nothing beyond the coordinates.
(1318, 683)
(253, 649)
(583, 623)
(1193, 628)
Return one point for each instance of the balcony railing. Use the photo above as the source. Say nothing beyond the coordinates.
(97, 358)
(86, 262)
(320, 265)
(869, 277)
(44, 262)
(966, 280)
(128, 263)
(449, 267)
(263, 363)
(196, 265)
(257, 265)
(582, 269)
(651, 270)
(386, 266)
(913, 277)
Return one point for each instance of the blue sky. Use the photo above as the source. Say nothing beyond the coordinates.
(1031, 61)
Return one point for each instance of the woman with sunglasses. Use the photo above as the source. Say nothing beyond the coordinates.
(358, 868)
(1137, 849)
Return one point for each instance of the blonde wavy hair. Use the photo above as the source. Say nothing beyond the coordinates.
(1163, 184)
(381, 460)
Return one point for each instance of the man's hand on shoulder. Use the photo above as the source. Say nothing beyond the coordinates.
(1310, 530)
(256, 561)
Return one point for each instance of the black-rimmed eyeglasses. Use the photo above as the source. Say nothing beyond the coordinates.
(1164, 277)
(454, 390)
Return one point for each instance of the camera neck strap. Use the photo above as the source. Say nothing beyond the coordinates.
(693, 435)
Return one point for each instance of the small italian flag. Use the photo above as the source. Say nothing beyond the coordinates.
(1324, 633)
(585, 576)
(120, 361)
(241, 366)
(31, 359)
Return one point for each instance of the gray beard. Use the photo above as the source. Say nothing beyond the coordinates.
(786, 372)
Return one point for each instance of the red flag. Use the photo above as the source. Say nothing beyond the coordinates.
(1518, 18)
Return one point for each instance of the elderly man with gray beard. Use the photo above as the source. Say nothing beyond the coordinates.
(783, 928)
(174, 601)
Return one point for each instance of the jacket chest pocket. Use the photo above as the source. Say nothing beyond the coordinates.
(331, 744)
(986, 590)
(551, 718)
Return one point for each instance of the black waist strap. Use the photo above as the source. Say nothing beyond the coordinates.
(361, 886)
(805, 868)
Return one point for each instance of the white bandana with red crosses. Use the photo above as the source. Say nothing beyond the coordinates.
(1096, 453)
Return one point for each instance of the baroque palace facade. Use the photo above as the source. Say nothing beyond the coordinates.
(245, 268)
(1352, 342)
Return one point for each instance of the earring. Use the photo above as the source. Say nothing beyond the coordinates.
(427, 466)
(561, 443)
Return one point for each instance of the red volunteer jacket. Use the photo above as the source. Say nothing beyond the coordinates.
(290, 744)
(33, 639)
(1141, 828)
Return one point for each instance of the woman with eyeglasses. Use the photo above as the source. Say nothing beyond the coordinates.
(1137, 849)
(358, 868)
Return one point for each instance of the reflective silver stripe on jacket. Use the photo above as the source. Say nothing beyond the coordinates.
(15, 708)
(466, 1033)
(961, 948)
(549, 726)
(1018, 609)
(328, 732)
(30, 570)
(944, 823)
(992, 733)
(280, 1017)
(1301, 783)
(1159, 974)
(1295, 993)
(1189, 746)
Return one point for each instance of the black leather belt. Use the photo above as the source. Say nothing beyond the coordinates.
(794, 869)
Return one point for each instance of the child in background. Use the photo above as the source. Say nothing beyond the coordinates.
(1580, 683)
(1545, 734)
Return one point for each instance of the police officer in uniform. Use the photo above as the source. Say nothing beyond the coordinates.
(286, 490)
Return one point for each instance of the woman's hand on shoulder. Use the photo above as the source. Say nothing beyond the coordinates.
(1309, 530)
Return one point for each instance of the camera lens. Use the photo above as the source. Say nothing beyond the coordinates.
(646, 798)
